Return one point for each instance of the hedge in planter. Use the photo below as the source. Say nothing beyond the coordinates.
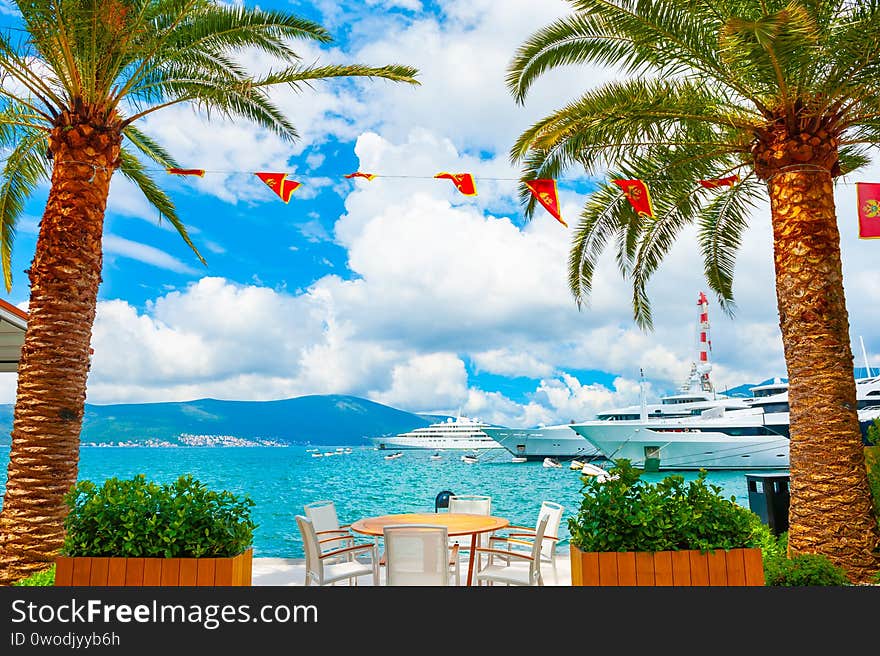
(629, 532)
(135, 532)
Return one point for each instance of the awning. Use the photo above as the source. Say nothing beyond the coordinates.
(13, 323)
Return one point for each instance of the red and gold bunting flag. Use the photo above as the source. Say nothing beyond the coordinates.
(278, 184)
(868, 200)
(358, 174)
(636, 193)
(198, 172)
(729, 181)
(464, 182)
(544, 192)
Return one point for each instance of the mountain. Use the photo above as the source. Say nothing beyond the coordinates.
(317, 419)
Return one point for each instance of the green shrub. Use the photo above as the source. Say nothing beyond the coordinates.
(137, 518)
(43, 578)
(804, 570)
(628, 514)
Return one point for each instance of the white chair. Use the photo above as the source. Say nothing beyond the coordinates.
(516, 568)
(326, 567)
(473, 504)
(331, 534)
(522, 537)
(418, 555)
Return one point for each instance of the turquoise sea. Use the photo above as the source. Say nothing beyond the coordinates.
(281, 480)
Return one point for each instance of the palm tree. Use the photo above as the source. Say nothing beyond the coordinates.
(786, 95)
(74, 86)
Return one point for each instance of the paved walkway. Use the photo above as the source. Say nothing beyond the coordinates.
(291, 571)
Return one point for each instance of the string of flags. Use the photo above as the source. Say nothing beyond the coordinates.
(546, 194)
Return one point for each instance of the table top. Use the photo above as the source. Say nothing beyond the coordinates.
(456, 523)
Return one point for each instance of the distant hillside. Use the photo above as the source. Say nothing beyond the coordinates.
(319, 419)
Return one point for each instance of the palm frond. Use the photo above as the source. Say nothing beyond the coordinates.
(25, 168)
(132, 169)
(721, 224)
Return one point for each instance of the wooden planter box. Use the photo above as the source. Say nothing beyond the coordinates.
(667, 568)
(174, 572)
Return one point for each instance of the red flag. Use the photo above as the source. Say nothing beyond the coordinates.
(720, 182)
(277, 183)
(544, 192)
(636, 193)
(198, 172)
(868, 195)
(464, 182)
(358, 174)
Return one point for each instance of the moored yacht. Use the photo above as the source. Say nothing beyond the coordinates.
(752, 438)
(458, 433)
(695, 395)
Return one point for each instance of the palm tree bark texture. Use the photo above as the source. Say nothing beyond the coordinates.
(830, 509)
(64, 276)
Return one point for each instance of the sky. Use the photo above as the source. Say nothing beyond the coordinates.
(402, 290)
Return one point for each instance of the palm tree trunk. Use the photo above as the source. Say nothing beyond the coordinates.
(64, 275)
(831, 511)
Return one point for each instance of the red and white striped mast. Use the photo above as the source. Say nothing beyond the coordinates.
(704, 344)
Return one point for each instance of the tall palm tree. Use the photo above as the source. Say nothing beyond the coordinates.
(75, 83)
(786, 95)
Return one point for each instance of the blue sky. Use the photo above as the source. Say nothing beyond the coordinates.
(402, 290)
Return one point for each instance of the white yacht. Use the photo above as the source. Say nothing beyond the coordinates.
(543, 442)
(458, 433)
(753, 438)
(694, 396)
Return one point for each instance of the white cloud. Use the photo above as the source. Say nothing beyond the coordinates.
(437, 379)
(439, 279)
(115, 245)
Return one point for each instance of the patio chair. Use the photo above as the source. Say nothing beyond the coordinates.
(514, 568)
(521, 537)
(326, 567)
(475, 504)
(419, 555)
(331, 534)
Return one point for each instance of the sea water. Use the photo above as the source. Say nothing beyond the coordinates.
(281, 480)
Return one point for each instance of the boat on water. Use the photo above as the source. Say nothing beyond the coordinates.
(601, 475)
(469, 458)
(518, 459)
(557, 441)
(756, 437)
(576, 465)
(552, 463)
(394, 456)
(458, 433)
(436, 456)
(695, 395)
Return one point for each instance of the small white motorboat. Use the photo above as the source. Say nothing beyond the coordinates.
(576, 465)
(519, 459)
(317, 454)
(552, 463)
(394, 456)
(600, 474)
(436, 456)
(469, 458)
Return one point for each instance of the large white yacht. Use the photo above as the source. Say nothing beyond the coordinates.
(753, 438)
(560, 441)
(458, 433)
(543, 442)
(694, 396)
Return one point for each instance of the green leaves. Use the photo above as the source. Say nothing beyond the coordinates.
(111, 63)
(137, 518)
(628, 514)
(707, 83)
